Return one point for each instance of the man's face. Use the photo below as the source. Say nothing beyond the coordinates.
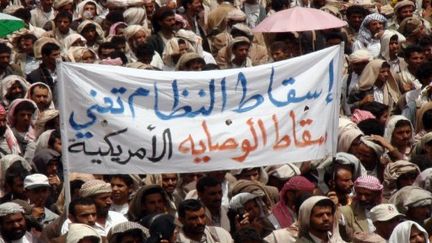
(415, 60)
(27, 46)
(253, 209)
(385, 228)
(51, 58)
(149, 7)
(13, 226)
(194, 222)
(343, 181)
(68, 8)
(168, 23)
(153, 203)
(46, 4)
(321, 219)
(416, 235)
(375, 26)
(249, 174)
(139, 38)
(401, 136)
(279, 55)
(105, 53)
(194, 65)
(4, 60)
(38, 196)
(365, 154)
(241, 51)
(88, 57)
(196, 6)
(428, 52)
(211, 197)
(405, 12)
(62, 25)
(15, 91)
(18, 187)
(355, 20)
(366, 198)
(383, 74)
(419, 214)
(23, 118)
(91, 9)
(103, 203)
(359, 66)
(169, 182)
(90, 34)
(120, 191)
(85, 214)
(40, 96)
(393, 47)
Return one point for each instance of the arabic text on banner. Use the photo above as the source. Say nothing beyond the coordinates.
(121, 120)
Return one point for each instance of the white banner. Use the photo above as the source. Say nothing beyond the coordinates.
(121, 120)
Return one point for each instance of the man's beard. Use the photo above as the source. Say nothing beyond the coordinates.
(13, 235)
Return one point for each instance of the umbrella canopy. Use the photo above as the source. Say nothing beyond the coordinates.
(299, 19)
(9, 24)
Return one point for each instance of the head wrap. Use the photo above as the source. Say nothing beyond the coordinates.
(117, 230)
(394, 170)
(283, 172)
(186, 58)
(61, 3)
(39, 44)
(43, 157)
(304, 218)
(368, 182)
(347, 133)
(94, 187)
(410, 25)
(10, 208)
(71, 39)
(135, 15)
(362, 55)
(402, 232)
(378, 149)
(239, 200)
(236, 15)
(132, 30)
(6, 84)
(244, 29)
(43, 118)
(403, 3)
(280, 210)
(391, 125)
(364, 35)
(385, 42)
(172, 48)
(80, 9)
(410, 196)
(99, 30)
(424, 180)
(76, 53)
(112, 29)
(361, 115)
(79, 231)
(50, 96)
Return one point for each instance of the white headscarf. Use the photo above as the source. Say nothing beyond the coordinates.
(385, 42)
(80, 9)
(134, 16)
(391, 125)
(78, 231)
(401, 233)
(7, 83)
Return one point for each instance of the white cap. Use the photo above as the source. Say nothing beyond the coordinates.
(384, 212)
(36, 180)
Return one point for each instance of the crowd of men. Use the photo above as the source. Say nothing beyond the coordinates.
(377, 188)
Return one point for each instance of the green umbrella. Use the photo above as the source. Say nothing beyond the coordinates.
(9, 24)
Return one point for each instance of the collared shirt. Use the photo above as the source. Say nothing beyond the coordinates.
(318, 240)
(123, 209)
(112, 219)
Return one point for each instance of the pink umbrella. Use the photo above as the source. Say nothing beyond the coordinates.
(299, 19)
